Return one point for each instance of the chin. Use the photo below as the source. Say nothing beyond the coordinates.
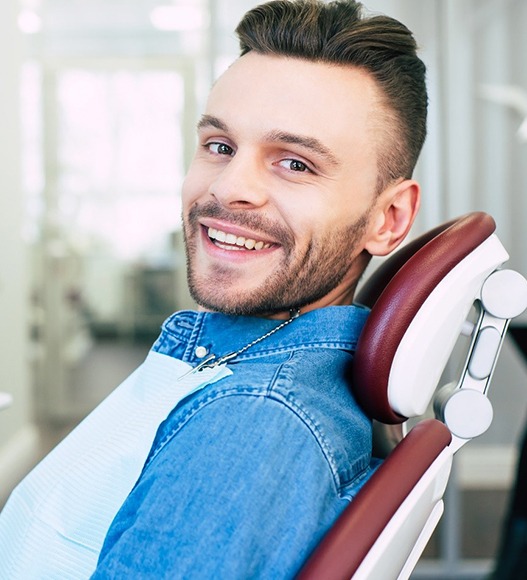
(233, 303)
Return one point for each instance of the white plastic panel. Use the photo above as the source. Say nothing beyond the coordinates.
(430, 338)
(404, 538)
(484, 353)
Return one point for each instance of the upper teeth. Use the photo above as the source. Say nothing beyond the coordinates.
(240, 241)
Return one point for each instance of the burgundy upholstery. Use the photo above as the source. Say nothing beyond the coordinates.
(344, 547)
(397, 289)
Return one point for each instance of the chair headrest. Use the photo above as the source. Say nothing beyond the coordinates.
(420, 298)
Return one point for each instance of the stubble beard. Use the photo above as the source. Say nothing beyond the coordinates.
(299, 281)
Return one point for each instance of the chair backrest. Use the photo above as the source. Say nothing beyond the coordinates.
(420, 299)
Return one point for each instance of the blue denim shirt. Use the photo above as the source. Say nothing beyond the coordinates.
(245, 476)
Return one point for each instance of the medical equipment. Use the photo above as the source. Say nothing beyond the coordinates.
(421, 298)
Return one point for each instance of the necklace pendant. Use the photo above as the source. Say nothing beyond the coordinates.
(213, 361)
(208, 362)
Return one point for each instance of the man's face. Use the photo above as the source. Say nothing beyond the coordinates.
(278, 199)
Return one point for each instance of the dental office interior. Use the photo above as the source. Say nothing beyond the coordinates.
(99, 102)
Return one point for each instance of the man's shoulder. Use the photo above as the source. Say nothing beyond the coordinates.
(316, 384)
(304, 393)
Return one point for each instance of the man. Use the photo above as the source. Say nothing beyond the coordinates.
(302, 173)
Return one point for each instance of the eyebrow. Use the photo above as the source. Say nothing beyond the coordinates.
(277, 136)
(310, 143)
(211, 121)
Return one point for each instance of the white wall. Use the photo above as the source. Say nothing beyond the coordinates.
(17, 436)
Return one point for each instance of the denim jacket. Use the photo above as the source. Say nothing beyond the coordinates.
(245, 476)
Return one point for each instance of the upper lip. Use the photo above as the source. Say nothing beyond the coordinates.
(236, 230)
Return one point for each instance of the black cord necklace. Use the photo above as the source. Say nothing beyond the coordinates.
(213, 361)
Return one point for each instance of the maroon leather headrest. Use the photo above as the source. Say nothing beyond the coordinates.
(395, 292)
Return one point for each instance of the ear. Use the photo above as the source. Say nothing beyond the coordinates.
(393, 216)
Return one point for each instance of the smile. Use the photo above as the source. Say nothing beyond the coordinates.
(227, 241)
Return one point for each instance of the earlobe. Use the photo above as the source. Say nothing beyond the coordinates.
(394, 215)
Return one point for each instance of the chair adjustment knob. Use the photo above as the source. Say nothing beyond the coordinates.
(504, 294)
(467, 413)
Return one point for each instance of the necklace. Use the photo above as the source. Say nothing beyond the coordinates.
(213, 361)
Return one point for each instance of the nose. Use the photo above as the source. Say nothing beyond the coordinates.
(241, 183)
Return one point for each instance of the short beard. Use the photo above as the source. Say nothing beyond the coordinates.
(302, 280)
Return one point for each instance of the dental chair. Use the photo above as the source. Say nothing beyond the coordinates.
(445, 284)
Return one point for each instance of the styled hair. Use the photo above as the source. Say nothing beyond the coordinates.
(339, 32)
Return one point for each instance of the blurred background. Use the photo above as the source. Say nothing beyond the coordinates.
(98, 105)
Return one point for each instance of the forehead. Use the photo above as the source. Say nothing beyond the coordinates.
(264, 93)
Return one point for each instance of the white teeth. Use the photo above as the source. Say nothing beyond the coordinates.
(240, 241)
(229, 247)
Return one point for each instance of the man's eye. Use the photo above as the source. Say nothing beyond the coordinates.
(220, 148)
(294, 165)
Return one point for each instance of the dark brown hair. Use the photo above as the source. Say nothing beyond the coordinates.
(339, 32)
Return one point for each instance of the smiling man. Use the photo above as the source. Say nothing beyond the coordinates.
(269, 223)
(282, 204)
(303, 171)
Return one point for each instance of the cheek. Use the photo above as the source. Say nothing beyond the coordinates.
(311, 217)
(327, 225)
(303, 215)
(193, 186)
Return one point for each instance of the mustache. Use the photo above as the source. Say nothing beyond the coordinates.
(243, 218)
